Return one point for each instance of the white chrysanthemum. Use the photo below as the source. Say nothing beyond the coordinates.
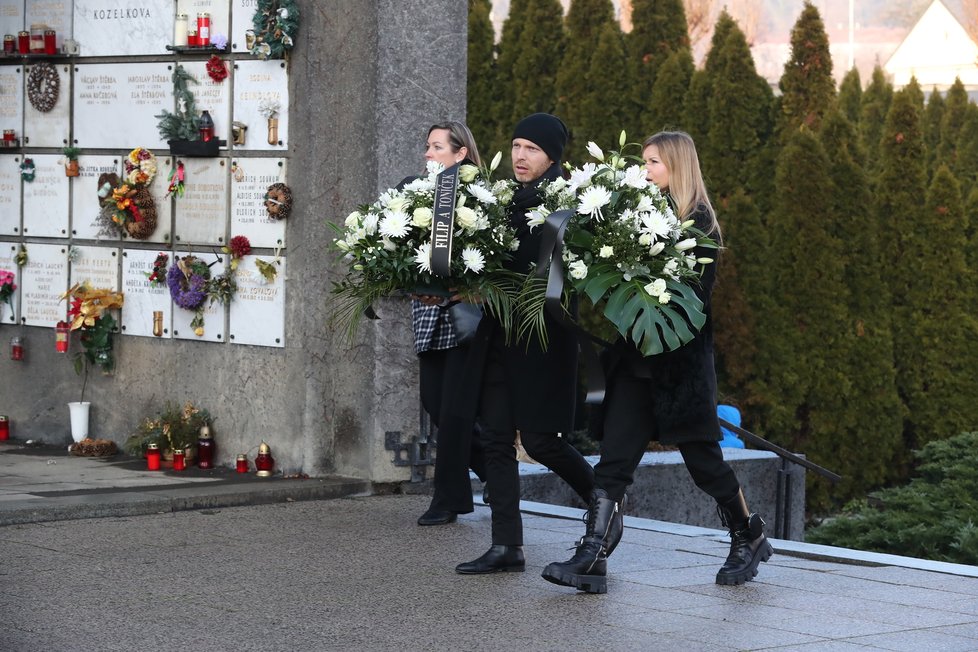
(481, 193)
(657, 224)
(422, 257)
(591, 201)
(394, 224)
(466, 218)
(420, 185)
(578, 270)
(433, 167)
(581, 177)
(473, 260)
(634, 177)
(370, 223)
(595, 151)
(645, 204)
(645, 239)
(421, 217)
(606, 252)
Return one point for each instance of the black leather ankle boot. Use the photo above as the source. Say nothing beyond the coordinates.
(748, 545)
(498, 559)
(587, 569)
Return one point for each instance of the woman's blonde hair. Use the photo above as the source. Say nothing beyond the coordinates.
(460, 136)
(686, 186)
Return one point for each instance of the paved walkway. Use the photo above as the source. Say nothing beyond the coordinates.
(211, 561)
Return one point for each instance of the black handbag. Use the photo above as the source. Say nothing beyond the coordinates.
(465, 318)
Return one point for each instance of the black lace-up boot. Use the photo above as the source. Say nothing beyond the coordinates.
(748, 545)
(586, 570)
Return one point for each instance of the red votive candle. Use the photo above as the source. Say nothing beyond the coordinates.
(16, 348)
(153, 457)
(192, 40)
(5, 429)
(241, 466)
(9, 135)
(24, 42)
(61, 332)
(9, 44)
(50, 41)
(205, 449)
(179, 462)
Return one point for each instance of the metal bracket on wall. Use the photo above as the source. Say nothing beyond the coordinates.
(414, 453)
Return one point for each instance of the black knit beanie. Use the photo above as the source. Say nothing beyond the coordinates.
(545, 131)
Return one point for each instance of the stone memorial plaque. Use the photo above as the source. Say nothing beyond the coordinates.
(250, 179)
(8, 313)
(99, 266)
(46, 198)
(242, 20)
(85, 202)
(213, 97)
(218, 10)
(12, 100)
(123, 27)
(256, 82)
(214, 328)
(164, 204)
(116, 104)
(43, 280)
(10, 195)
(201, 214)
(258, 308)
(55, 14)
(11, 16)
(142, 297)
(49, 128)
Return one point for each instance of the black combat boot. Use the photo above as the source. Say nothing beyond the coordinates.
(586, 570)
(748, 545)
(617, 526)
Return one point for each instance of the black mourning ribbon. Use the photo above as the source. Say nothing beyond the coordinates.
(551, 255)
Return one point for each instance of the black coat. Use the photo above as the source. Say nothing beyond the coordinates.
(683, 384)
(542, 383)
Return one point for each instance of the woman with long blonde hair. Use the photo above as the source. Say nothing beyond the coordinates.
(671, 398)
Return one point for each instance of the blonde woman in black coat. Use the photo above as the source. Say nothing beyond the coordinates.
(670, 398)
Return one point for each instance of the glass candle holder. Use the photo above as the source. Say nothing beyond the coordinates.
(180, 31)
(264, 462)
(9, 44)
(203, 29)
(23, 42)
(153, 457)
(16, 348)
(61, 333)
(205, 448)
(5, 429)
(179, 461)
(50, 41)
(37, 39)
(241, 464)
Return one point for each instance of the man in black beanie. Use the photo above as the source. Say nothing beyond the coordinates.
(519, 386)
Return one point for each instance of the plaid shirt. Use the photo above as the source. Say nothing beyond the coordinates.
(432, 328)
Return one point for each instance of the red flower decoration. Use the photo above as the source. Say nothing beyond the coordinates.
(216, 69)
(240, 246)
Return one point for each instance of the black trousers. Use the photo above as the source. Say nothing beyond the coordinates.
(629, 425)
(502, 470)
(458, 448)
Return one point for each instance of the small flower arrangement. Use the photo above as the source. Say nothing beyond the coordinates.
(625, 249)
(140, 166)
(7, 287)
(175, 427)
(238, 247)
(191, 285)
(387, 244)
(88, 312)
(157, 277)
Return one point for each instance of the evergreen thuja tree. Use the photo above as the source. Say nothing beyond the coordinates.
(955, 113)
(871, 451)
(700, 90)
(530, 52)
(658, 30)
(601, 116)
(666, 107)
(807, 86)
(966, 161)
(584, 23)
(933, 116)
(850, 96)
(875, 107)
(803, 342)
(739, 118)
(481, 87)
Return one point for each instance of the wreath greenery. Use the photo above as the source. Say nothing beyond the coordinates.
(275, 24)
(43, 86)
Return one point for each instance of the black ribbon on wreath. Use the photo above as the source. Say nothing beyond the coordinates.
(443, 221)
(551, 264)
